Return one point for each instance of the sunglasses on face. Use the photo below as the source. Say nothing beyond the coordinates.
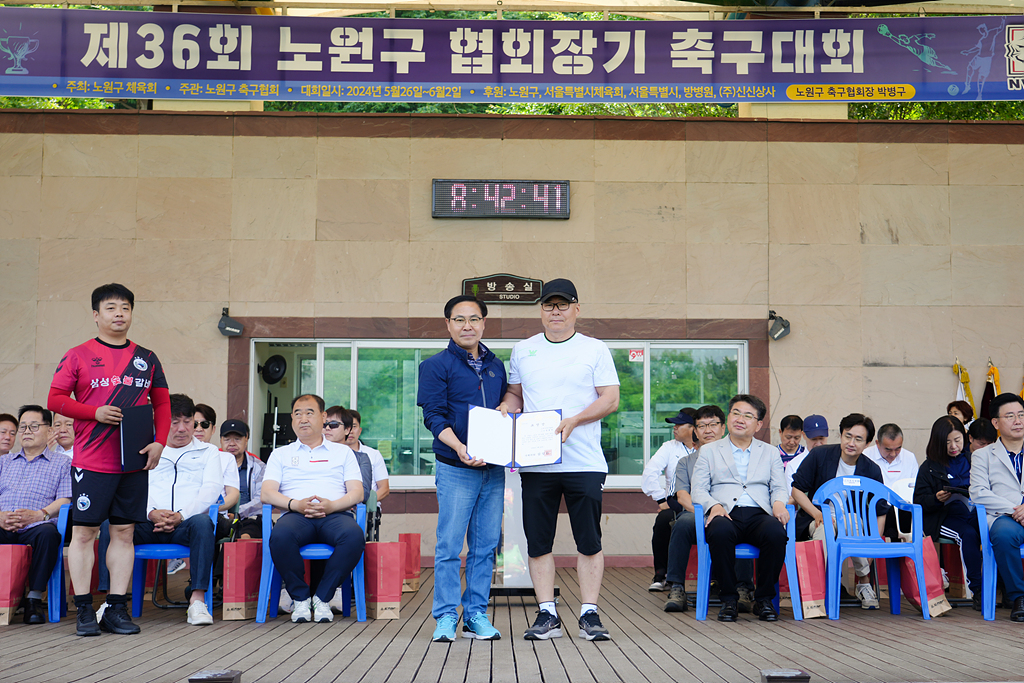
(205, 424)
(333, 424)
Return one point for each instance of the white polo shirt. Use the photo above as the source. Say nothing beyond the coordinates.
(903, 466)
(565, 375)
(227, 461)
(302, 472)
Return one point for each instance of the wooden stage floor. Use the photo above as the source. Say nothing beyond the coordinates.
(647, 645)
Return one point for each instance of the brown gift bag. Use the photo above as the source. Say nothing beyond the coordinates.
(384, 569)
(411, 575)
(936, 597)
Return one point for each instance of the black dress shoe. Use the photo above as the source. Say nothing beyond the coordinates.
(34, 612)
(765, 610)
(1017, 613)
(729, 611)
(976, 602)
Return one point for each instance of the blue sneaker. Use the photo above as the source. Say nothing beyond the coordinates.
(479, 626)
(445, 631)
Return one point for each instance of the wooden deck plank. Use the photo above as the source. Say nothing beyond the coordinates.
(647, 645)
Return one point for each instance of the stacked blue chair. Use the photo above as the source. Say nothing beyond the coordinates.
(270, 579)
(989, 570)
(162, 551)
(744, 551)
(853, 501)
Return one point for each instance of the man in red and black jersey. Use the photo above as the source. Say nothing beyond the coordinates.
(105, 375)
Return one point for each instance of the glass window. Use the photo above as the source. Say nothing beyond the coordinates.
(380, 378)
(689, 378)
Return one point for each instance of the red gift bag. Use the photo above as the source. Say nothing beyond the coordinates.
(242, 566)
(937, 603)
(954, 567)
(384, 568)
(690, 578)
(812, 578)
(882, 578)
(784, 583)
(14, 561)
(411, 576)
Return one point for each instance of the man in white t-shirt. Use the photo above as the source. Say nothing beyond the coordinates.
(562, 369)
(658, 482)
(380, 467)
(317, 482)
(895, 461)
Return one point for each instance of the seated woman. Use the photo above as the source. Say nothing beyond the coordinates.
(942, 491)
(961, 410)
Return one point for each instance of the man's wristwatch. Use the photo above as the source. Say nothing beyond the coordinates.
(46, 515)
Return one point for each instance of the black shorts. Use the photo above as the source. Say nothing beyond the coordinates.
(98, 496)
(542, 495)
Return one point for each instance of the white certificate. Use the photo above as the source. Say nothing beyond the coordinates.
(518, 440)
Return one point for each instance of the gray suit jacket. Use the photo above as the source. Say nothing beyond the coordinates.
(994, 482)
(715, 479)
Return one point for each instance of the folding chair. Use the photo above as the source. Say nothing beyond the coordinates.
(745, 551)
(989, 570)
(162, 551)
(56, 596)
(852, 502)
(270, 579)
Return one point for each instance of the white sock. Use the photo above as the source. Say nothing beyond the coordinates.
(587, 607)
(548, 607)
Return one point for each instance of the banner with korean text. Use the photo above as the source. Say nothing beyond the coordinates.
(151, 55)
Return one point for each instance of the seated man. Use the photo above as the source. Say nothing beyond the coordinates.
(380, 468)
(8, 431)
(62, 435)
(825, 463)
(980, 434)
(791, 432)
(740, 483)
(186, 481)
(997, 482)
(658, 482)
(710, 427)
(815, 434)
(34, 483)
(317, 482)
(895, 461)
(234, 437)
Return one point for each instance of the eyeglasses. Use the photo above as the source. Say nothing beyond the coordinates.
(561, 305)
(333, 424)
(205, 424)
(34, 427)
(745, 416)
(708, 425)
(1012, 416)
(473, 320)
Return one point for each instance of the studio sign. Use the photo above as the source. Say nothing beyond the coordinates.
(503, 289)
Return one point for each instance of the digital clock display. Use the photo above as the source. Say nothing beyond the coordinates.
(500, 199)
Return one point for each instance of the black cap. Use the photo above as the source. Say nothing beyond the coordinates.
(234, 427)
(680, 419)
(559, 287)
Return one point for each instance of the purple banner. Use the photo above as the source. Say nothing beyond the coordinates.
(155, 55)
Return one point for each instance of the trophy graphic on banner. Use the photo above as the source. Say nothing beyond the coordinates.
(17, 48)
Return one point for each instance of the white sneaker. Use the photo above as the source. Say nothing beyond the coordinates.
(175, 566)
(197, 614)
(322, 613)
(301, 612)
(285, 604)
(867, 597)
(656, 587)
(337, 603)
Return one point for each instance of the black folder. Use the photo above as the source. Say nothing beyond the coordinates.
(136, 433)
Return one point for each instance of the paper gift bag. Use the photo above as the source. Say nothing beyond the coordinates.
(951, 562)
(411, 576)
(14, 561)
(882, 579)
(812, 578)
(243, 562)
(936, 597)
(384, 570)
(690, 578)
(784, 583)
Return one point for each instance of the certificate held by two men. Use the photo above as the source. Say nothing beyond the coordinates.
(518, 440)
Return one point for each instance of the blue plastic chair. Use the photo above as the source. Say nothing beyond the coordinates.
(162, 551)
(745, 551)
(56, 596)
(989, 570)
(853, 501)
(270, 579)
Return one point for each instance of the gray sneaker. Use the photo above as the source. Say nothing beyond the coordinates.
(591, 627)
(676, 599)
(546, 626)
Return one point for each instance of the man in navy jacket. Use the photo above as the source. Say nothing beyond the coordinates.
(470, 493)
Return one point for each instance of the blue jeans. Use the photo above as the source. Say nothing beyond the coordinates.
(1007, 536)
(469, 507)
